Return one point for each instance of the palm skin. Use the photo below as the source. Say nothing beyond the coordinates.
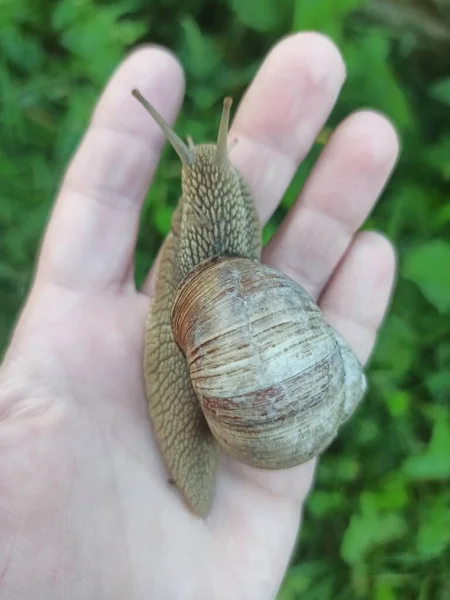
(86, 509)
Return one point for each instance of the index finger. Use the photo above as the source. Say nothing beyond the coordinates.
(92, 233)
(283, 111)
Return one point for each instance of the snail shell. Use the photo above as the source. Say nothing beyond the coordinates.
(273, 378)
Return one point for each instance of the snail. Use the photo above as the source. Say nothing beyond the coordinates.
(237, 356)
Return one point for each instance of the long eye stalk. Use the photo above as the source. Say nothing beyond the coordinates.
(222, 151)
(178, 145)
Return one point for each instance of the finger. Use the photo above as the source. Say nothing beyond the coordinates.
(338, 196)
(92, 233)
(355, 300)
(280, 116)
(282, 113)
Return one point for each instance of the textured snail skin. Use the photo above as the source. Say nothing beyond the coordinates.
(237, 355)
(215, 217)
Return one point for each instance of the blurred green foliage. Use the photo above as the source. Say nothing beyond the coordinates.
(378, 523)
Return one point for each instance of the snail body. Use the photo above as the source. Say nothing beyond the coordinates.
(237, 354)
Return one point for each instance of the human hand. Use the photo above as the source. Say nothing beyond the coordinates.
(86, 510)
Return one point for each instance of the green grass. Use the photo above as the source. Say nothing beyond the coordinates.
(378, 523)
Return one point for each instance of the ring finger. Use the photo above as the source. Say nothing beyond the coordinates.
(337, 198)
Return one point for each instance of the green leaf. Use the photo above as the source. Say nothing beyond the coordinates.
(397, 346)
(68, 12)
(439, 385)
(434, 462)
(347, 469)
(398, 403)
(442, 217)
(438, 157)
(201, 56)
(384, 591)
(433, 536)
(326, 16)
(268, 232)
(300, 579)
(96, 36)
(360, 579)
(393, 494)
(369, 529)
(370, 54)
(263, 15)
(162, 218)
(205, 96)
(367, 432)
(13, 12)
(443, 355)
(339, 470)
(428, 266)
(23, 50)
(414, 201)
(322, 503)
(441, 91)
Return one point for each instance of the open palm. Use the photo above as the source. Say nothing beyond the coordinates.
(86, 509)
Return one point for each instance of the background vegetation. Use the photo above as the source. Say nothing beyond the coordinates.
(378, 523)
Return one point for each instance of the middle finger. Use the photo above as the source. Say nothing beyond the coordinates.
(282, 113)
